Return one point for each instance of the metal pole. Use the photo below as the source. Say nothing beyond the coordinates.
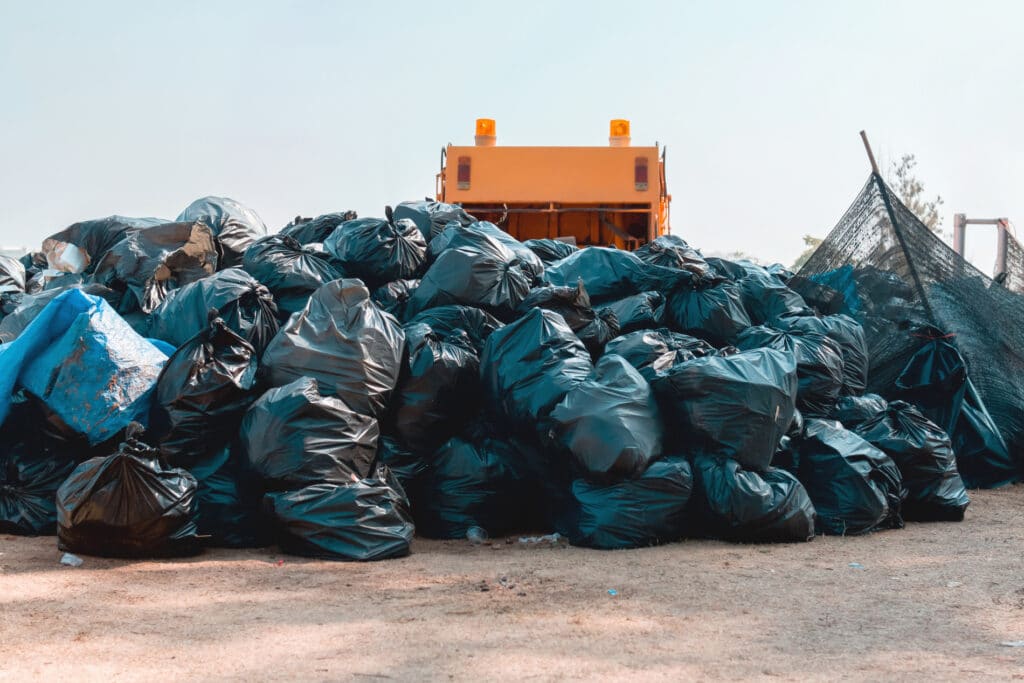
(1001, 250)
(959, 222)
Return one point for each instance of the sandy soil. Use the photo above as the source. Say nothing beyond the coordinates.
(933, 601)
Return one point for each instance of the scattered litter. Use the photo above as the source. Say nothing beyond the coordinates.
(552, 539)
(954, 584)
(612, 592)
(71, 560)
(856, 565)
(1012, 643)
(476, 535)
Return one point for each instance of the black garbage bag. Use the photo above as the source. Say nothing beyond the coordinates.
(290, 271)
(393, 297)
(474, 480)
(476, 323)
(360, 520)
(235, 225)
(230, 496)
(607, 273)
(787, 456)
(246, 306)
(293, 437)
(487, 275)
(80, 246)
(854, 486)
(405, 465)
(530, 365)
(440, 393)
(924, 455)
(148, 264)
(478, 235)
(610, 422)
(673, 252)
(432, 217)
(935, 380)
(316, 230)
(377, 251)
(202, 393)
(352, 348)
(573, 304)
(128, 504)
(632, 513)
(739, 504)
(819, 364)
(732, 270)
(767, 299)
(736, 406)
(715, 313)
(654, 352)
(981, 453)
(853, 410)
(30, 475)
(846, 332)
(12, 274)
(645, 310)
(549, 251)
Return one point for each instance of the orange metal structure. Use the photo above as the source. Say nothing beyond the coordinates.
(614, 195)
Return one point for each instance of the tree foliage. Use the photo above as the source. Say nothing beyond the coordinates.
(911, 191)
(811, 243)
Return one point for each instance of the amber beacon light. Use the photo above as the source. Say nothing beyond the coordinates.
(618, 133)
(486, 133)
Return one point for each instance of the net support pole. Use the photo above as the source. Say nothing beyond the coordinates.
(1001, 250)
(871, 155)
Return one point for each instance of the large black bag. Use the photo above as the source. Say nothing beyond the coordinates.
(853, 410)
(573, 304)
(606, 273)
(80, 246)
(846, 332)
(548, 250)
(487, 275)
(633, 513)
(924, 455)
(476, 323)
(246, 306)
(229, 495)
(743, 505)
(645, 310)
(735, 406)
(654, 352)
(290, 271)
(767, 299)
(294, 437)
(128, 504)
(610, 422)
(148, 264)
(713, 312)
(478, 235)
(360, 520)
(352, 348)
(673, 252)
(819, 364)
(854, 486)
(393, 297)
(432, 217)
(316, 230)
(203, 391)
(378, 251)
(530, 365)
(474, 480)
(440, 392)
(30, 475)
(235, 225)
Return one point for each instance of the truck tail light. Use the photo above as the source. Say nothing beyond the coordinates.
(464, 173)
(639, 174)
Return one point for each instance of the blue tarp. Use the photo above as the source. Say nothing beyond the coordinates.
(85, 363)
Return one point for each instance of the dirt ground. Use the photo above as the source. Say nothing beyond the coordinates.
(933, 601)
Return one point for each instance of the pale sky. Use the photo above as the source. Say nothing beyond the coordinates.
(307, 107)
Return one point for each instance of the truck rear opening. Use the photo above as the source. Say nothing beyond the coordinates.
(605, 196)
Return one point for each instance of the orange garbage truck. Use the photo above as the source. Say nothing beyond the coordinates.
(612, 195)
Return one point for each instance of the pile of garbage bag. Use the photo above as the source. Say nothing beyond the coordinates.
(336, 387)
